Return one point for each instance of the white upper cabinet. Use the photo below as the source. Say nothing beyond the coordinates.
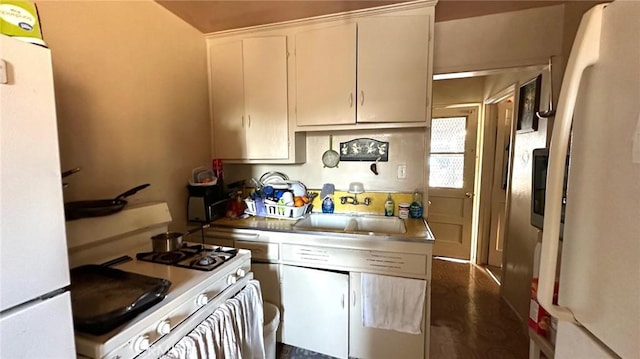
(374, 70)
(326, 75)
(249, 99)
(393, 69)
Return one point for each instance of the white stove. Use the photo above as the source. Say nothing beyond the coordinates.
(193, 295)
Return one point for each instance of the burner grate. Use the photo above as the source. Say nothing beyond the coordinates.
(194, 257)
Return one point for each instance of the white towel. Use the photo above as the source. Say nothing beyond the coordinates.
(392, 302)
(250, 300)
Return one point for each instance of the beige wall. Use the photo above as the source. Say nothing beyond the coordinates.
(521, 237)
(406, 146)
(457, 91)
(511, 39)
(132, 98)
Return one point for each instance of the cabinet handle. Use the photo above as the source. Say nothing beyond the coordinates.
(353, 298)
(350, 99)
(243, 121)
(361, 97)
(248, 121)
(342, 301)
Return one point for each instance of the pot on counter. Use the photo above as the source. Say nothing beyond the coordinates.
(170, 241)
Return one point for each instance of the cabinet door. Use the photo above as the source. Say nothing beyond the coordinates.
(228, 101)
(393, 68)
(265, 97)
(315, 310)
(326, 76)
(378, 343)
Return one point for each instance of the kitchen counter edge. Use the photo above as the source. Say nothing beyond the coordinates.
(417, 229)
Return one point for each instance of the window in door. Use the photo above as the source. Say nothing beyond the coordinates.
(446, 160)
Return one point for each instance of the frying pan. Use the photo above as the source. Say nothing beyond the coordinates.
(330, 158)
(98, 207)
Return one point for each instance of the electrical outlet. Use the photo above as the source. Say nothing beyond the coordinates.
(402, 171)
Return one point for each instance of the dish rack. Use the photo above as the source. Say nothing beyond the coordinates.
(261, 209)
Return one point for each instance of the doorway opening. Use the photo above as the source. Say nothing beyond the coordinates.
(492, 206)
(468, 177)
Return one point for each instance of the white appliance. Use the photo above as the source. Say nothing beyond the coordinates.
(599, 114)
(35, 307)
(194, 293)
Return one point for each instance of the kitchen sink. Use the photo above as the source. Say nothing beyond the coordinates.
(369, 224)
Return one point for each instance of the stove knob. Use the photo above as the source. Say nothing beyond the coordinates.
(141, 343)
(202, 300)
(232, 279)
(241, 273)
(164, 327)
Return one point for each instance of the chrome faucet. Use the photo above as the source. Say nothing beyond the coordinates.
(355, 188)
(354, 200)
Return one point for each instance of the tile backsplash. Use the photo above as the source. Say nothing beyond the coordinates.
(376, 206)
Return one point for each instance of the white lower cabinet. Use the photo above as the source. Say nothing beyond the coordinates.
(374, 343)
(315, 310)
(319, 291)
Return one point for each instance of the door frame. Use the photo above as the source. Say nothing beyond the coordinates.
(486, 166)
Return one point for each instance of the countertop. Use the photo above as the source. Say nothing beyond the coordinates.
(417, 229)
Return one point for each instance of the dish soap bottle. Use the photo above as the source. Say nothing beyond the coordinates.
(327, 204)
(388, 206)
(415, 209)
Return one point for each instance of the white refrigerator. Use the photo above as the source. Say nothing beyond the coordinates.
(35, 307)
(599, 114)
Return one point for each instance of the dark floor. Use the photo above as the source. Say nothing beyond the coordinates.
(496, 272)
(468, 318)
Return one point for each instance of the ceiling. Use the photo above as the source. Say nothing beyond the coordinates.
(215, 15)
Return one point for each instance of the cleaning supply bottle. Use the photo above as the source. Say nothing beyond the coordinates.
(327, 204)
(415, 209)
(388, 206)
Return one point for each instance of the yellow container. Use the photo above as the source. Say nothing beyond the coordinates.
(19, 19)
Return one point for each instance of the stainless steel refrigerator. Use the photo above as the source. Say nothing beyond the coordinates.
(598, 119)
(35, 307)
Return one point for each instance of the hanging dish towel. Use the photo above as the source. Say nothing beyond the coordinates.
(392, 302)
(233, 331)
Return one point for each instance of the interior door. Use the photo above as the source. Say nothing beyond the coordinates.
(499, 186)
(452, 161)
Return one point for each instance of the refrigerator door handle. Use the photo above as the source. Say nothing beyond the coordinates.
(584, 53)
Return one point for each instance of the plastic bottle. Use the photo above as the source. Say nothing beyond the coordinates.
(415, 209)
(327, 204)
(388, 206)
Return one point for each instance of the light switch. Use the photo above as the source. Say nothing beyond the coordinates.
(3, 72)
(402, 171)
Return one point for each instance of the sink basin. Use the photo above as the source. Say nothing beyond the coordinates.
(351, 223)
